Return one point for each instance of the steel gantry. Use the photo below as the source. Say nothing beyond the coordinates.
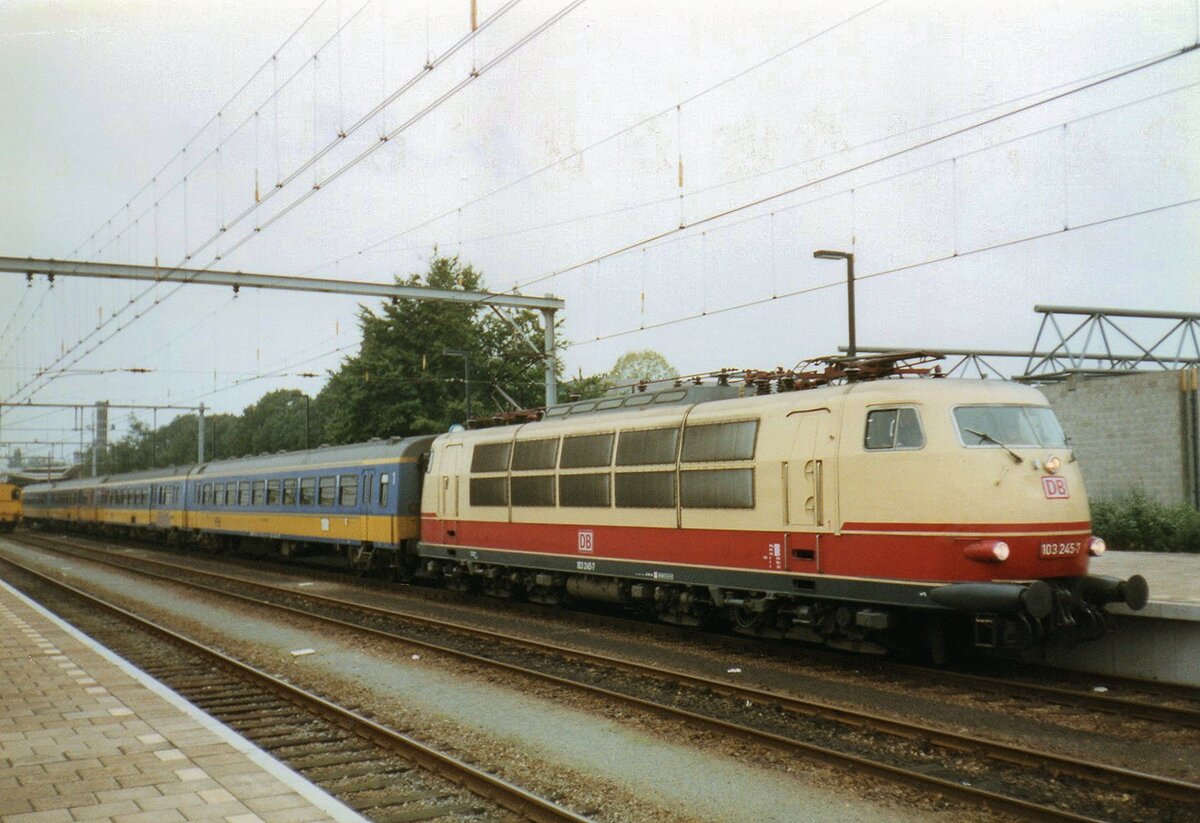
(1096, 344)
(239, 279)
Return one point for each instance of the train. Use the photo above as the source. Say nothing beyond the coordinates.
(859, 515)
(10, 506)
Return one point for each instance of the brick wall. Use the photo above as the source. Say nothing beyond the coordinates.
(1130, 432)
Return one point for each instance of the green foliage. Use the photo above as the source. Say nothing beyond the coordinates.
(635, 366)
(403, 381)
(1136, 523)
(275, 423)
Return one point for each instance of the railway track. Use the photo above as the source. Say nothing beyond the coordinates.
(381, 773)
(1005, 777)
(1176, 707)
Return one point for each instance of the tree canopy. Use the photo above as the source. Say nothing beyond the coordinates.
(407, 378)
(409, 374)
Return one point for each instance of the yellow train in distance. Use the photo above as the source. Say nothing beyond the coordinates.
(10, 506)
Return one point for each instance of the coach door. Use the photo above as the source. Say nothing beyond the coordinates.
(808, 476)
(449, 477)
(371, 532)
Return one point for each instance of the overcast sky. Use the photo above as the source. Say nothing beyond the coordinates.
(569, 148)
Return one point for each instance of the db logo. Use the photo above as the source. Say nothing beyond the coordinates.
(1055, 488)
(586, 541)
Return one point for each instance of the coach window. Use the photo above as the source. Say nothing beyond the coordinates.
(308, 491)
(893, 429)
(206, 496)
(532, 490)
(586, 451)
(489, 491)
(647, 447)
(258, 492)
(272, 492)
(645, 490)
(585, 490)
(534, 454)
(289, 491)
(243, 493)
(713, 442)
(717, 489)
(348, 490)
(366, 489)
(327, 491)
(490, 457)
(384, 480)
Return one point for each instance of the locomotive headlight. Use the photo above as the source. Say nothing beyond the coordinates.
(1052, 464)
(1097, 546)
(987, 551)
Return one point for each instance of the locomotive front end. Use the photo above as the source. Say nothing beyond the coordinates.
(1037, 557)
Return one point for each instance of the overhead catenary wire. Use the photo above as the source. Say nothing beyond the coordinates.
(167, 273)
(885, 272)
(758, 201)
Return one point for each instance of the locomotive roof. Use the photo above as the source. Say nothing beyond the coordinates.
(868, 392)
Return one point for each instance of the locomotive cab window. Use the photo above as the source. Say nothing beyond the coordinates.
(893, 429)
(991, 426)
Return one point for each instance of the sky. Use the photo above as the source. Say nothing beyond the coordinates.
(978, 159)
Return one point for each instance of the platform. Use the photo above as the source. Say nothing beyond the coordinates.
(84, 735)
(1162, 641)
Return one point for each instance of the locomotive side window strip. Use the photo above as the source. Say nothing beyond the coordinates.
(490, 457)
(532, 490)
(713, 442)
(586, 451)
(586, 490)
(893, 429)
(348, 490)
(647, 447)
(645, 490)
(534, 454)
(717, 488)
(489, 491)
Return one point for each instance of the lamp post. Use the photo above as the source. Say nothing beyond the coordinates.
(848, 256)
(466, 373)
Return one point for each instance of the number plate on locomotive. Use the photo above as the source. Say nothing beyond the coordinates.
(1055, 488)
(1061, 549)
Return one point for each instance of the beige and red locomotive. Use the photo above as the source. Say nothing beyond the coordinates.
(849, 514)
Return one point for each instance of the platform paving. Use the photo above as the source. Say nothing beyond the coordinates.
(85, 736)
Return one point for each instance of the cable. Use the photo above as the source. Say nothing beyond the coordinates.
(884, 272)
(166, 277)
(209, 122)
(857, 167)
(596, 144)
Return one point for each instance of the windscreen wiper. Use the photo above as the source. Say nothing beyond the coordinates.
(985, 436)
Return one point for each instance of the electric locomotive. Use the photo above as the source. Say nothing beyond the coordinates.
(852, 515)
(10, 506)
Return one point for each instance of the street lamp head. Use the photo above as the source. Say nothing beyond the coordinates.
(827, 254)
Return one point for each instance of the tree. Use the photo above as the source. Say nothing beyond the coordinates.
(16, 460)
(403, 381)
(636, 366)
